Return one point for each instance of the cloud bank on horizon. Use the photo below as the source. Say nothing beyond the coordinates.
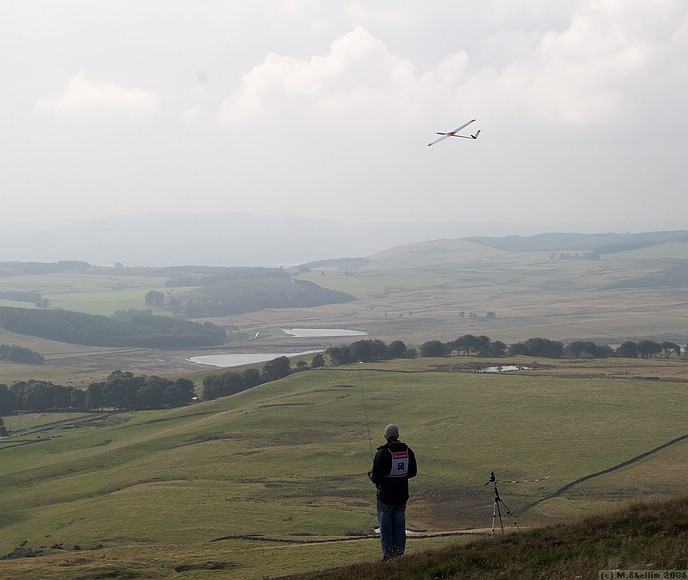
(321, 109)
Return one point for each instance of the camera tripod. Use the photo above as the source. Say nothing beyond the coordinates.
(497, 505)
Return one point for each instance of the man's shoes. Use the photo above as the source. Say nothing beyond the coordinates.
(395, 553)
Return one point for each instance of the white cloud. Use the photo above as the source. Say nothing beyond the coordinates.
(594, 70)
(357, 80)
(591, 71)
(85, 97)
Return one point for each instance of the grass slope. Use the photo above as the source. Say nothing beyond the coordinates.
(645, 537)
(272, 480)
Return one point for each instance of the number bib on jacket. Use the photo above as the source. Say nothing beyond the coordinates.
(400, 463)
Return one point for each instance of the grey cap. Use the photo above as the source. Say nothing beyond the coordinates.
(391, 431)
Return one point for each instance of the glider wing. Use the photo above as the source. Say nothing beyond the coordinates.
(442, 138)
(452, 133)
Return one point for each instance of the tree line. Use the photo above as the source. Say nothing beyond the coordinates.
(20, 354)
(142, 330)
(22, 296)
(483, 346)
(369, 350)
(121, 391)
(124, 391)
(227, 383)
(250, 295)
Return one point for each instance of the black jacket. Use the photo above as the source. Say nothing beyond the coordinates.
(394, 464)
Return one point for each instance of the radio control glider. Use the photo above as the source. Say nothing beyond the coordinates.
(454, 133)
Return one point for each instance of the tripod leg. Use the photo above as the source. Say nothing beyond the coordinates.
(509, 513)
(499, 511)
(494, 515)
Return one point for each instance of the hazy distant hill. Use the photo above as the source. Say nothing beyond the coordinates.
(607, 243)
(224, 239)
(487, 252)
(264, 240)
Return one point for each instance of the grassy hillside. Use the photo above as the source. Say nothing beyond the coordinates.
(272, 480)
(645, 537)
(413, 291)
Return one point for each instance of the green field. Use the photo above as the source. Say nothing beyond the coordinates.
(262, 482)
(99, 292)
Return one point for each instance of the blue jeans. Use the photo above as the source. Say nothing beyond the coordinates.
(392, 520)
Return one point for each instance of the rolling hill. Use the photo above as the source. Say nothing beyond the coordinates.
(272, 480)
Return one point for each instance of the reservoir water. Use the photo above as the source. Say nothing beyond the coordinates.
(238, 359)
(321, 332)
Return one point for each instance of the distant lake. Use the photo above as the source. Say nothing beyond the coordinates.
(238, 359)
(247, 358)
(320, 332)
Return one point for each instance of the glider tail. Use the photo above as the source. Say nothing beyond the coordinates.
(476, 134)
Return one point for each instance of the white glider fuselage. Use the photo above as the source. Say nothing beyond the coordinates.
(454, 134)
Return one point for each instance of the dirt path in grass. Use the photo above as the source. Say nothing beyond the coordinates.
(616, 467)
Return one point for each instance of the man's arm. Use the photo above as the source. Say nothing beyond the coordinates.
(413, 466)
(382, 464)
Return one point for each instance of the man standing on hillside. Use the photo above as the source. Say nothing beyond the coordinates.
(393, 465)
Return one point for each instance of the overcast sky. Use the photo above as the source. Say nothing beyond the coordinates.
(324, 108)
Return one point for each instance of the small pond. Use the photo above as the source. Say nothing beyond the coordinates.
(502, 369)
(321, 332)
